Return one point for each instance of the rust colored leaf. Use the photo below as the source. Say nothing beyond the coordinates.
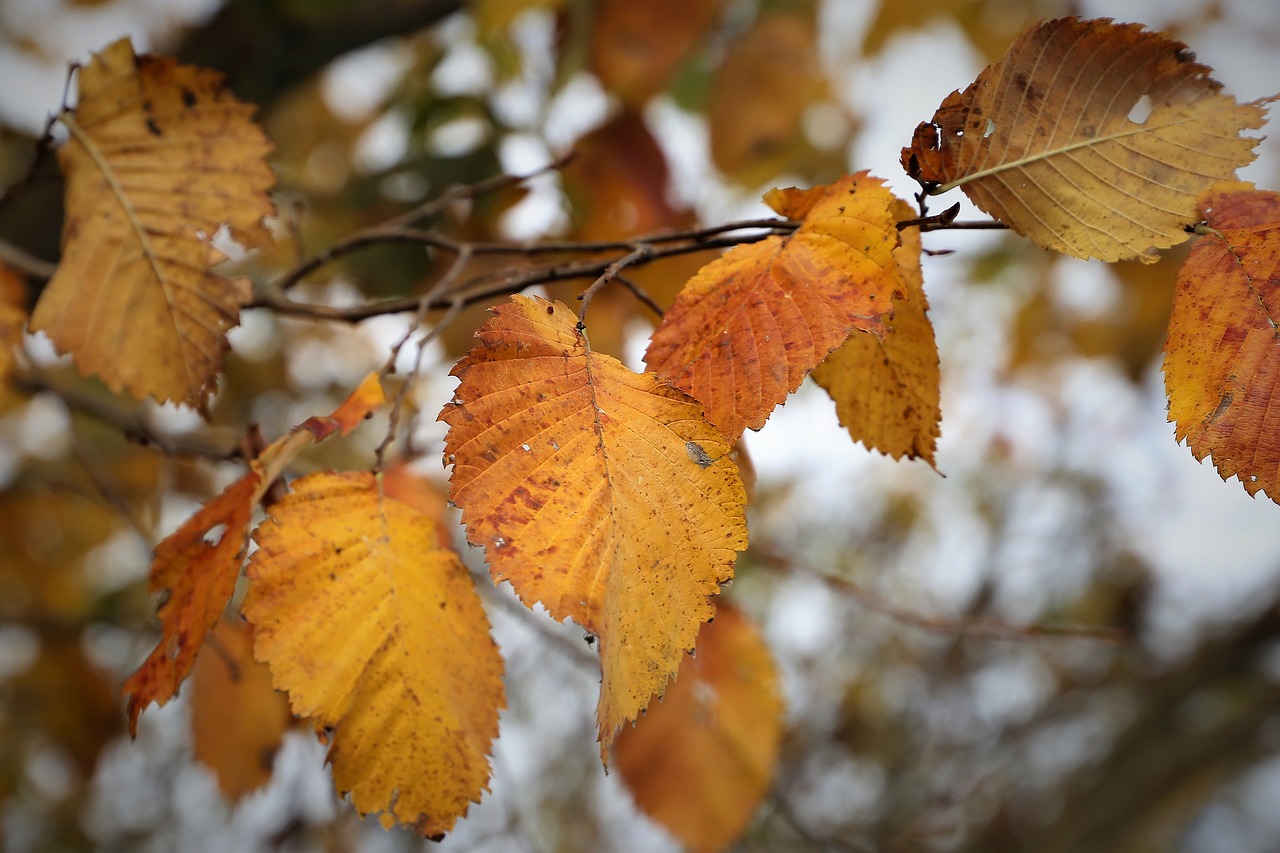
(600, 492)
(376, 633)
(194, 574)
(636, 47)
(702, 758)
(160, 157)
(355, 410)
(760, 92)
(887, 389)
(749, 327)
(237, 717)
(1222, 355)
(1089, 137)
(13, 317)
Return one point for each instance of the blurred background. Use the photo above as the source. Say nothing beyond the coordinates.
(937, 695)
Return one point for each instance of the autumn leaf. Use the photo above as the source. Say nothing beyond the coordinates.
(13, 316)
(887, 389)
(237, 718)
(376, 632)
(749, 327)
(160, 157)
(195, 567)
(194, 573)
(600, 492)
(702, 758)
(1222, 355)
(636, 47)
(1090, 138)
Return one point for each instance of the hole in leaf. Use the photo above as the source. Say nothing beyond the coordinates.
(1141, 110)
(991, 128)
(214, 534)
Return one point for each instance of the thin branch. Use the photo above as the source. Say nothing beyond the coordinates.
(640, 254)
(106, 411)
(25, 263)
(578, 653)
(983, 629)
(640, 294)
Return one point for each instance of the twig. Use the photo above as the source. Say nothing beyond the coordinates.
(640, 294)
(26, 263)
(640, 254)
(79, 400)
(984, 629)
(578, 653)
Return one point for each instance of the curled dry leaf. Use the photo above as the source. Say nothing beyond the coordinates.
(1222, 355)
(887, 390)
(376, 632)
(160, 157)
(1089, 137)
(749, 327)
(600, 492)
(703, 757)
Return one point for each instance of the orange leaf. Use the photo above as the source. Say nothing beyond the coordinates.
(1089, 137)
(887, 389)
(1222, 355)
(636, 47)
(376, 631)
(599, 492)
(160, 157)
(700, 760)
(237, 717)
(194, 572)
(749, 327)
(357, 408)
(13, 316)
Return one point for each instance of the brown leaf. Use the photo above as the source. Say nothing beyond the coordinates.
(749, 327)
(600, 492)
(376, 632)
(1222, 356)
(160, 157)
(702, 758)
(13, 317)
(237, 717)
(1090, 138)
(888, 389)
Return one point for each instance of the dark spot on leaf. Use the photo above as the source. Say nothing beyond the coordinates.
(151, 126)
(188, 98)
(1020, 80)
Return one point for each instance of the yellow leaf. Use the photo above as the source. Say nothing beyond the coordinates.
(237, 718)
(887, 389)
(1089, 137)
(700, 760)
(13, 316)
(375, 631)
(194, 572)
(357, 408)
(1222, 355)
(160, 157)
(600, 492)
(749, 327)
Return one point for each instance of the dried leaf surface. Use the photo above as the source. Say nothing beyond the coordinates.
(700, 761)
(160, 156)
(1044, 140)
(1222, 355)
(600, 492)
(194, 573)
(237, 718)
(376, 632)
(887, 389)
(749, 327)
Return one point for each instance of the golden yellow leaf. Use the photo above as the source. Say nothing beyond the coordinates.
(237, 717)
(355, 410)
(703, 757)
(749, 327)
(600, 492)
(194, 573)
(1222, 355)
(376, 632)
(160, 157)
(1089, 137)
(888, 389)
